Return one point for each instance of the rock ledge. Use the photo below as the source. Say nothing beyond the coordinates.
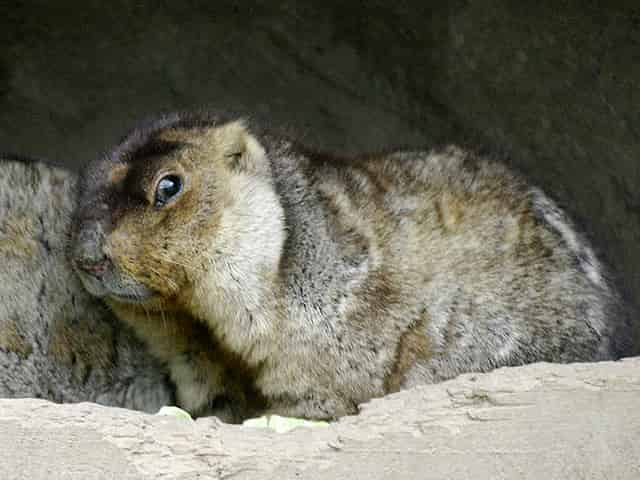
(540, 421)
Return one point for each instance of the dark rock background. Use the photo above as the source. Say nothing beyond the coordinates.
(554, 85)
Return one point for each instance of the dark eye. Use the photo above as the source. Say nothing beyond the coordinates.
(168, 187)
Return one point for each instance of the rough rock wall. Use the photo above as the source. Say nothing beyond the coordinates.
(554, 84)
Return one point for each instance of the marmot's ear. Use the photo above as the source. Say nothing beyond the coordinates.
(240, 149)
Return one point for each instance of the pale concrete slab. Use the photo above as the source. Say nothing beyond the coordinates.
(541, 421)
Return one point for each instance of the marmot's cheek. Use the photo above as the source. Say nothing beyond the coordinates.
(118, 243)
(121, 249)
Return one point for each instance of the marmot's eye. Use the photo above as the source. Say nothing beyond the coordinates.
(168, 187)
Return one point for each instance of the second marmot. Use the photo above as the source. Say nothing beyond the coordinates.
(57, 342)
(330, 281)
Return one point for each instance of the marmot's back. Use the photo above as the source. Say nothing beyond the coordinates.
(56, 342)
(504, 274)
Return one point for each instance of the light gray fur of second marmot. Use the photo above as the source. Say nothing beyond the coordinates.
(335, 280)
(56, 341)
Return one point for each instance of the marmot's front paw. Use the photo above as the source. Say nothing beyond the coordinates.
(197, 387)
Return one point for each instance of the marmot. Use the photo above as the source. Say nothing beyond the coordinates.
(334, 280)
(56, 341)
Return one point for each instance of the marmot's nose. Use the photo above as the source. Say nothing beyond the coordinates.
(89, 255)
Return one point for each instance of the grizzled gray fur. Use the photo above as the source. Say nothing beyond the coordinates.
(57, 342)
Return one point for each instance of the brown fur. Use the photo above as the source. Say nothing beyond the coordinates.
(17, 240)
(12, 341)
(333, 280)
(413, 347)
(80, 348)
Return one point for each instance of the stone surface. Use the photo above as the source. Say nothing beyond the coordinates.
(556, 85)
(539, 421)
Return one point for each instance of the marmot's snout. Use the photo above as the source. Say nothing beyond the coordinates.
(99, 270)
(88, 256)
(88, 253)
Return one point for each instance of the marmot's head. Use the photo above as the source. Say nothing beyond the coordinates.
(170, 200)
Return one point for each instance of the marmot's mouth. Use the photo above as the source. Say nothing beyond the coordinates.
(135, 294)
(116, 287)
(130, 297)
